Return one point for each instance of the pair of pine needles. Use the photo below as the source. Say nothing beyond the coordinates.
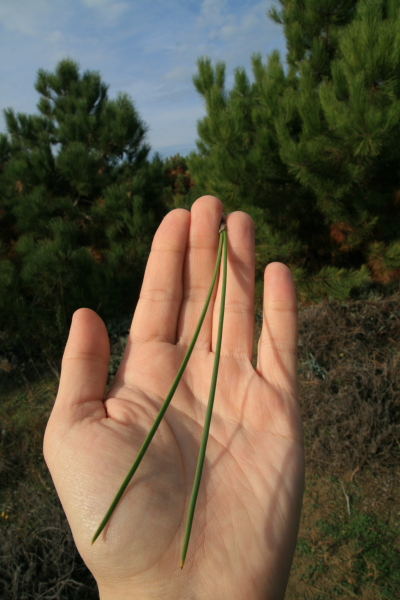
(223, 245)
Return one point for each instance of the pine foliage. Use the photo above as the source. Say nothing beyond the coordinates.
(313, 153)
(179, 189)
(79, 204)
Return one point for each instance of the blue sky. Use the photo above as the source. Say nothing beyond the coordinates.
(147, 48)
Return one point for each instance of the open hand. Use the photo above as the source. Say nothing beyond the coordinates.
(247, 514)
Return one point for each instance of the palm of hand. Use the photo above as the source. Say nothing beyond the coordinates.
(248, 507)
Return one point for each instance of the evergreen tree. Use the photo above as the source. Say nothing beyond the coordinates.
(179, 186)
(312, 30)
(6, 220)
(313, 153)
(82, 202)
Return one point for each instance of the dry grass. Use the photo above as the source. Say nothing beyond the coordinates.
(350, 384)
(38, 558)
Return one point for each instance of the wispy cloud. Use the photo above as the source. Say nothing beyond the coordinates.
(109, 11)
(23, 17)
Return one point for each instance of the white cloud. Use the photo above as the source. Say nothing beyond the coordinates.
(240, 33)
(97, 3)
(211, 13)
(109, 11)
(55, 37)
(252, 20)
(180, 74)
(227, 32)
(219, 24)
(25, 16)
(173, 126)
(102, 4)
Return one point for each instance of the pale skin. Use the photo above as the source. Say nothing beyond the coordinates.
(248, 510)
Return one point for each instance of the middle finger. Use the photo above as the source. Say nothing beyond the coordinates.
(198, 270)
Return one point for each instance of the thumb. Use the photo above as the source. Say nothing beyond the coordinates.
(84, 369)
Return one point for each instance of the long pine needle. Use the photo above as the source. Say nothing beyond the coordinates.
(167, 401)
(202, 453)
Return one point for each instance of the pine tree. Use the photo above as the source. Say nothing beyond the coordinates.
(83, 200)
(179, 185)
(313, 153)
(312, 30)
(6, 220)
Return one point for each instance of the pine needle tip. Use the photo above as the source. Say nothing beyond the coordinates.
(94, 538)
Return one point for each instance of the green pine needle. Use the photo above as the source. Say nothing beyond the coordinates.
(211, 397)
(142, 452)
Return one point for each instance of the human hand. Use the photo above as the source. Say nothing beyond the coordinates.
(248, 509)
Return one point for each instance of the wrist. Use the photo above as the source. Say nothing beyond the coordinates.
(130, 591)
